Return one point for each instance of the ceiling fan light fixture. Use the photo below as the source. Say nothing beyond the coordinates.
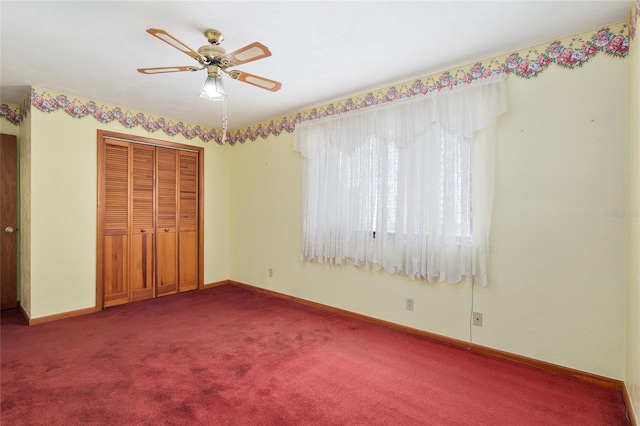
(216, 60)
(213, 89)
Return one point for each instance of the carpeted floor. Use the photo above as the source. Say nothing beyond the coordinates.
(232, 356)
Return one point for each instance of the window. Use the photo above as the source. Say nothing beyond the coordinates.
(406, 186)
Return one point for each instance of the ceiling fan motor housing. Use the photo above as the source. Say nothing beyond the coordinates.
(214, 54)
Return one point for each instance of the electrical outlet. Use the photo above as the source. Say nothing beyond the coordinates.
(477, 319)
(409, 304)
(270, 272)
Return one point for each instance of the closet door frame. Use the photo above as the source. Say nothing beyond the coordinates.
(104, 135)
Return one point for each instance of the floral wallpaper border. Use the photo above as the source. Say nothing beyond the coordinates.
(13, 116)
(572, 52)
(77, 108)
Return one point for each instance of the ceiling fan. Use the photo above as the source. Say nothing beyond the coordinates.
(216, 60)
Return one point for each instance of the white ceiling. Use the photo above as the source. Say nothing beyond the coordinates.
(322, 50)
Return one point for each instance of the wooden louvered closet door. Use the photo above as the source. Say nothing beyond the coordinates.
(167, 214)
(116, 219)
(149, 220)
(188, 221)
(142, 218)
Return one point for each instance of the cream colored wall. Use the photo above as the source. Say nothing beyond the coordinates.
(632, 371)
(8, 128)
(63, 177)
(558, 261)
(556, 290)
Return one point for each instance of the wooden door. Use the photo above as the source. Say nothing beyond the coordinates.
(116, 219)
(8, 221)
(167, 221)
(142, 220)
(188, 221)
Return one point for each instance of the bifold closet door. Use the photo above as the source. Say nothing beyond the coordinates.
(128, 242)
(115, 247)
(149, 219)
(167, 221)
(188, 222)
(142, 220)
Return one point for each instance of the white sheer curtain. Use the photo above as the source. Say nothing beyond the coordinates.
(406, 186)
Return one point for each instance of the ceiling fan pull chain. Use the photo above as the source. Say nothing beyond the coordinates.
(224, 119)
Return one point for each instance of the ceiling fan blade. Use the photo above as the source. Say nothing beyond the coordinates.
(251, 52)
(166, 69)
(263, 83)
(171, 40)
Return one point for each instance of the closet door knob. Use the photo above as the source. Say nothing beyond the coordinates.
(9, 230)
(166, 229)
(143, 230)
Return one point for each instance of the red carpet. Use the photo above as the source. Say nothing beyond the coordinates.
(233, 356)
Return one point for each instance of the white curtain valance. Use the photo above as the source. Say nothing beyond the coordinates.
(463, 108)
